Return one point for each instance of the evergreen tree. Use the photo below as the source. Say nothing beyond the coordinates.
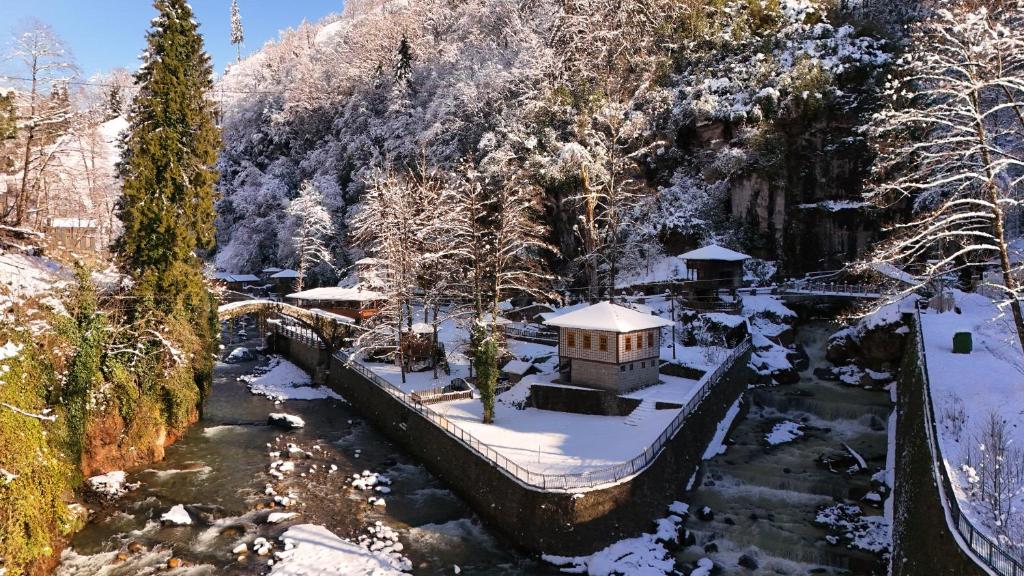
(403, 68)
(114, 101)
(237, 33)
(167, 167)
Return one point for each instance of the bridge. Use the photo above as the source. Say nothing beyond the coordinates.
(331, 329)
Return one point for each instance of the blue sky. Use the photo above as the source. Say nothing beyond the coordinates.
(105, 34)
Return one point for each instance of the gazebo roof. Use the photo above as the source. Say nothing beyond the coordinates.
(287, 273)
(715, 252)
(608, 317)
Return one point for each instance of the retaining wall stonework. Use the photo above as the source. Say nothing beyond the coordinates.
(541, 522)
(922, 542)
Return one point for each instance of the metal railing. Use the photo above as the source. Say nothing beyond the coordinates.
(539, 336)
(557, 482)
(840, 288)
(984, 548)
(297, 332)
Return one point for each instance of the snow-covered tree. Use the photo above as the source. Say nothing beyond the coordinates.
(237, 32)
(950, 143)
(312, 227)
(43, 107)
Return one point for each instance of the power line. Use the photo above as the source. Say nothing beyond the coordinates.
(112, 85)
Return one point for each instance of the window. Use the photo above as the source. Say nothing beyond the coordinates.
(631, 366)
(643, 364)
(586, 341)
(629, 343)
(570, 339)
(650, 339)
(622, 368)
(602, 343)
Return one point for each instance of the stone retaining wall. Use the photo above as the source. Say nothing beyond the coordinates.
(537, 521)
(922, 542)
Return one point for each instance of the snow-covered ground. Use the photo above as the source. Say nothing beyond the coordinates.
(312, 550)
(968, 390)
(281, 380)
(550, 442)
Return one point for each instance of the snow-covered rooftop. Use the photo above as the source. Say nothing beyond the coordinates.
(227, 277)
(714, 252)
(337, 293)
(518, 367)
(271, 270)
(608, 317)
(287, 273)
(73, 223)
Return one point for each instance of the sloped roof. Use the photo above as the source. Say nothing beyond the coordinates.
(271, 270)
(715, 252)
(608, 317)
(517, 367)
(287, 273)
(337, 293)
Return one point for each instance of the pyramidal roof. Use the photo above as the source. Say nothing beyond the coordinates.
(714, 252)
(608, 317)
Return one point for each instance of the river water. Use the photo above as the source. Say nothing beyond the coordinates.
(219, 470)
(763, 499)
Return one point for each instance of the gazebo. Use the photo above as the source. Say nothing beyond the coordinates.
(610, 347)
(715, 265)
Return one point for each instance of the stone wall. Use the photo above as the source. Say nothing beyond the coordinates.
(922, 542)
(580, 400)
(613, 377)
(535, 520)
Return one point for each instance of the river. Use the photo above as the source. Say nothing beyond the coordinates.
(219, 470)
(763, 499)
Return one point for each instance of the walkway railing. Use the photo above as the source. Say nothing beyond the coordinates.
(984, 548)
(558, 482)
(539, 336)
(299, 333)
(833, 288)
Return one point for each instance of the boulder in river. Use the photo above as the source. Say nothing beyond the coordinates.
(282, 420)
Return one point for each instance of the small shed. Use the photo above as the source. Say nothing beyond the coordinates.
(355, 303)
(75, 233)
(236, 282)
(609, 347)
(717, 265)
(516, 369)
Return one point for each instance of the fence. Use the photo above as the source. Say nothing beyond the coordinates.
(538, 336)
(842, 288)
(557, 482)
(299, 333)
(985, 549)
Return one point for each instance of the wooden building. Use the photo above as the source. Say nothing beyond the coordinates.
(716, 265)
(355, 303)
(236, 282)
(284, 281)
(81, 234)
(609, 347)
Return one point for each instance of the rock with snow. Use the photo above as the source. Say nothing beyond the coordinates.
(111, 485)
(281, 380)
(784, 432)
(240, 354)
(316, 551)
(177, 516)
(278, 517)
(289, 421)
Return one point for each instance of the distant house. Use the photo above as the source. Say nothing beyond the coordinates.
(609, 347)
(717, 265)
(266, 273)
(235, 282)
(75, 233)
(355, 303)
(284, 281)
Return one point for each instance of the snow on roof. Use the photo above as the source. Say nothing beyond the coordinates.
(545, 316)
(337, 293)
(271, 270)
(287, 273)
(368, 261)
(73, 223)
(517, 367)
(245, 278)
(608, 317)
(714, 252)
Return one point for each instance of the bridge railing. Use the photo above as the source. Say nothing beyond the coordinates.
(539, 336)
(985, 549)
(557, 482)
(821, 287)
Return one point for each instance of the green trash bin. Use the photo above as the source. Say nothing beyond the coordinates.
(962, 343)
